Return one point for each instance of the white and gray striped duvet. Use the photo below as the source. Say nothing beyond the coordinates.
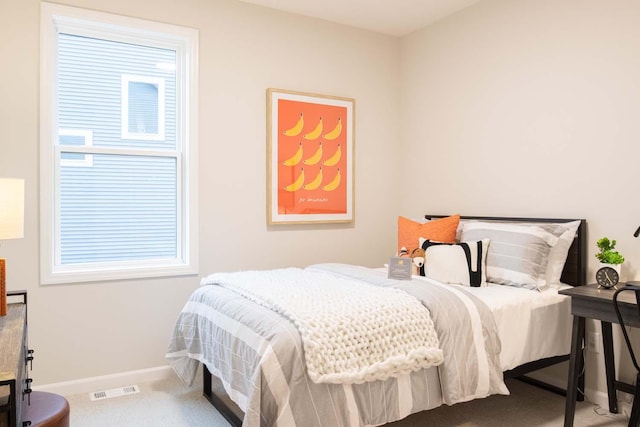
(258, 355)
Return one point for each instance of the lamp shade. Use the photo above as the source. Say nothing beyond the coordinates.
(11, 208)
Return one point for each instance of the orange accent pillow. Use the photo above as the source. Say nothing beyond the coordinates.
(440, 230)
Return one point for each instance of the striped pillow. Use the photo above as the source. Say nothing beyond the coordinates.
(460, 263)
(518, 254)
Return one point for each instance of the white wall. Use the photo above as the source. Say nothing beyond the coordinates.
(95, 329)
(510, 107)
(529, 108)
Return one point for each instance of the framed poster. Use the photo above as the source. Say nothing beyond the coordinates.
(310, 159)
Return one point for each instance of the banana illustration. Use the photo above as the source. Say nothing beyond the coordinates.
(295, 159)
(296, 129)
(315, 158)
(297, 184)
(315, 183)
(335, 158)
(314, 133)
(335, 132)
(333, 184)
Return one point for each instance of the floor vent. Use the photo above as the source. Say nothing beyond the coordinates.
(114, 392)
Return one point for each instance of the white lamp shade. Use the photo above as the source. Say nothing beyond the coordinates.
(11, 208)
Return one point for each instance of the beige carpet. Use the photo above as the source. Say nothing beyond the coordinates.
(169, 403)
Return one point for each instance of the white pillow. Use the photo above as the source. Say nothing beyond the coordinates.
(458, 263)
(558, 254)
(518, 255)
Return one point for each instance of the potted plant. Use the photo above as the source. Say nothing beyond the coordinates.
(608, 255)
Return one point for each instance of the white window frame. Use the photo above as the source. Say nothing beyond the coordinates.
(157, 82)
(56, 18)
(88, 142)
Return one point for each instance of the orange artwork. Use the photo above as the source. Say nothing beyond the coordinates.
(311, 157)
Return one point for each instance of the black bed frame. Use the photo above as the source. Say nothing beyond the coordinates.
(574, 274)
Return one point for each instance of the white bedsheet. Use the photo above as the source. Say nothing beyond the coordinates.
(532, 325)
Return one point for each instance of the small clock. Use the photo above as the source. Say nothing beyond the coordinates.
(607, 277)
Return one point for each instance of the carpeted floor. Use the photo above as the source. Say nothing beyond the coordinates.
(168, 403)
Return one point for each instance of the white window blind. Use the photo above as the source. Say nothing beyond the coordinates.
(143, 105)
(124, 204)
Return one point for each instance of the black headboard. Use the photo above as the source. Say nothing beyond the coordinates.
(575, 269)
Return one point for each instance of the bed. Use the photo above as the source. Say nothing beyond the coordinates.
(257, 354)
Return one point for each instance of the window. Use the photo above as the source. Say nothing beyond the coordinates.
(142, 107)
(118, 147)
(78, 138)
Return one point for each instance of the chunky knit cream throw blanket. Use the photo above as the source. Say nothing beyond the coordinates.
(352, 332)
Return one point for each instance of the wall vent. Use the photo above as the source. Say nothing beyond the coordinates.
(114, 392)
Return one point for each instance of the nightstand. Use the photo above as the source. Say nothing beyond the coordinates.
(596, 303)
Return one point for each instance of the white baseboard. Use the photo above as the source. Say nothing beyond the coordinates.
(105, 382)
(596, 397)
(600, 398)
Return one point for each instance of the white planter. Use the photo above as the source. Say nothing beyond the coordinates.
(616, 267)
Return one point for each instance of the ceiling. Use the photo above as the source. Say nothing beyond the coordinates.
(393, 17)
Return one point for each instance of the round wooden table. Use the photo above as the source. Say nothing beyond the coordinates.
(46, 410)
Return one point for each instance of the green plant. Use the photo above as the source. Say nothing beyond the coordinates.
(607, 254)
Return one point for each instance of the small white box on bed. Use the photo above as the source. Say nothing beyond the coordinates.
(400, 268)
